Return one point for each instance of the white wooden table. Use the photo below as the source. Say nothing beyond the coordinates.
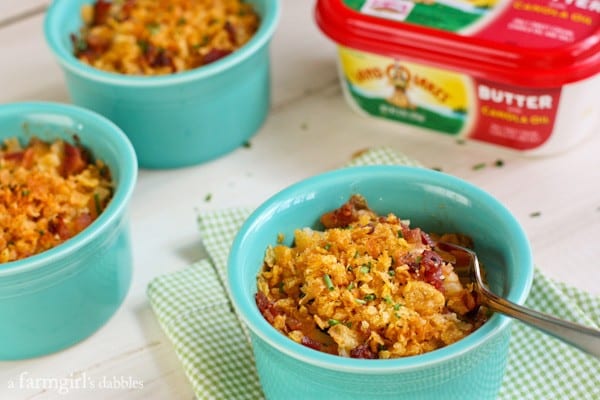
(310, 129)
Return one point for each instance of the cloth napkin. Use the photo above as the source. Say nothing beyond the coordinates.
(194, 310)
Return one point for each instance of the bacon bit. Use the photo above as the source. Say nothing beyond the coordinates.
(158, 57)
(308, 342)
(426, 239)
(231, 33)
(127, 9)
(293, 324)
(346, 214)
(214, 55)
(58, 227)
(362, 351)
(15, 157)
(74, 161)
(411, 235)
(431, 270)
(340, 217)
(101, 12)
(83, 221)
(266, 307)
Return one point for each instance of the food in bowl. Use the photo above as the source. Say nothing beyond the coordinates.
(62, 295)
(367, 286)
(173, 119)
(49, 192)
(149, 37)
(471, 368)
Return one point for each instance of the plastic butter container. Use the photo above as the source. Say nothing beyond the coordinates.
(523, 74)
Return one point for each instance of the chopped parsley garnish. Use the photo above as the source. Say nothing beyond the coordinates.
(370, 297)
(143, 44)
(478, 166)
(80, 44)
(153, 27)
(365, 268)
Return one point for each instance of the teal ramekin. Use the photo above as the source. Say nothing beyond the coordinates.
(471, 368)
(57, 298)
(180, 119)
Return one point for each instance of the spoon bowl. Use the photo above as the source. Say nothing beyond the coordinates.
(583, 337)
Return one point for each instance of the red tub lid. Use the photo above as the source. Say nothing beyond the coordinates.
(532, 43)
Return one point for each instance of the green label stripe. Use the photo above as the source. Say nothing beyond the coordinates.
(441, 17)
(433, 15)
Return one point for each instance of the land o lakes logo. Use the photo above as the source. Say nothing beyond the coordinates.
(401, 79)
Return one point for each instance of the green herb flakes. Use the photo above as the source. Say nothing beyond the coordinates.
(328, 282)
(370, 297)
(153, 27)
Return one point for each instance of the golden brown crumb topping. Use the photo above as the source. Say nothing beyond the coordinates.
(49, 192)
(367, 286)
(155, 37)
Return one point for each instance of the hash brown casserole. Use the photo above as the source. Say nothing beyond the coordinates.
(367, 286)
(157, 37)
(49, 192)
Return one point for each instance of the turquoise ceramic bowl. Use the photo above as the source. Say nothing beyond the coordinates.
(175, 120)
(54, 299)
(471, 368)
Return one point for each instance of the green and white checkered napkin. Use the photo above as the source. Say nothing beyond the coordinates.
(194, 310)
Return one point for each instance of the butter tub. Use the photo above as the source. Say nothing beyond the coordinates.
(521, 74)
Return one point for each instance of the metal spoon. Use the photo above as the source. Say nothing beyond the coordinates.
(583, 337)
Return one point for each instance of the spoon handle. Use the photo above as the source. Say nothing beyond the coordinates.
(582, 337)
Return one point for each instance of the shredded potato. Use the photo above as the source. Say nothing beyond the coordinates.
(367, 286)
